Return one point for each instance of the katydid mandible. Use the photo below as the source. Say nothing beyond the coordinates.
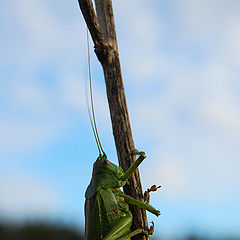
(107, 214)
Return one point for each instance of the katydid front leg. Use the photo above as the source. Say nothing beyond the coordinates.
(134, 166)
(125, 177)
(134, 233)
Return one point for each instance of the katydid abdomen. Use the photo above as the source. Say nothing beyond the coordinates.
(105, 210)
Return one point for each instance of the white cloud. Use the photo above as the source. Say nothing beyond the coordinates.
(214, 25)
(23, 195)
(204, 169)
(140, 33)
(32, 116)
(35, 109)
(206, 90)
(29, 97)
(72, 92)
(25, 135)
(142, 23)
(171, 175)
(36, 36)
(223, 115)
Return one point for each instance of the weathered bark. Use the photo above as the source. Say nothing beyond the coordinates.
(102, 29)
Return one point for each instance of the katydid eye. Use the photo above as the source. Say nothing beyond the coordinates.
(105, 162)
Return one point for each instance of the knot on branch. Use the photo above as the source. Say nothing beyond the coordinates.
(105, 52)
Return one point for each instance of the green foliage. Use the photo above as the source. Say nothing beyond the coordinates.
(45, 231)
(38, 232)
(195, 238)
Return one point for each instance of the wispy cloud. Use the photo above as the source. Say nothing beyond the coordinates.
(191, 111)
(37, 44)
(23, 195)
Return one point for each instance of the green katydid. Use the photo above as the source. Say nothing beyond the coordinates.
(107, 214)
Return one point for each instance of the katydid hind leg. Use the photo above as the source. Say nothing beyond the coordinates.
(138, 231)
(132, 234)
(147, 207)
(120, 229)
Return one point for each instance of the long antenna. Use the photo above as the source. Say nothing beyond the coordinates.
(93, 122)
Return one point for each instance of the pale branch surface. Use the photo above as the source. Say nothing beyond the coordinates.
(102, 30)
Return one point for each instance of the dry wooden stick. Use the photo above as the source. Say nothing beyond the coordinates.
(102, 30)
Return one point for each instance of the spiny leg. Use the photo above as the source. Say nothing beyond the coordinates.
(119, 231)
(138, 231)
(133, 201)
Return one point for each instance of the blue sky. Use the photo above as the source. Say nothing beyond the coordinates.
(180, 63)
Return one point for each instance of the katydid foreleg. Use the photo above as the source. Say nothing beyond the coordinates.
(134, 166)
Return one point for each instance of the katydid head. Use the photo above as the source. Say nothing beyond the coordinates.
(105, 175)
(103, 159)
(103, 166)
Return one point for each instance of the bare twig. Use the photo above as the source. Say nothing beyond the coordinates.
(102, 29)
